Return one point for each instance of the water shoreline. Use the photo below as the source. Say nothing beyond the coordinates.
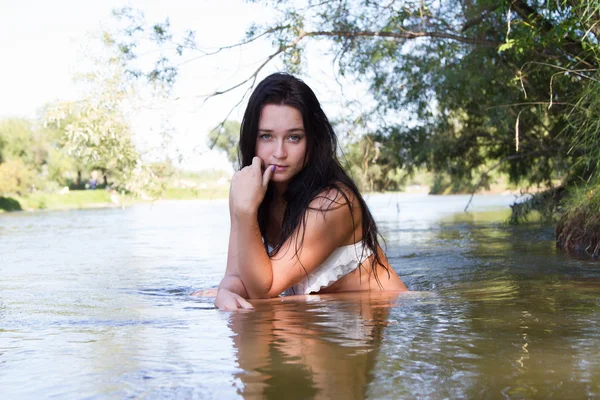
(87, 199)
(93, 199)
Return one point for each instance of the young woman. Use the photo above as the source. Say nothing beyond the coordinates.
(298, 222)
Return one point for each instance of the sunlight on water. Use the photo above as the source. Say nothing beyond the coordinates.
(96, 303)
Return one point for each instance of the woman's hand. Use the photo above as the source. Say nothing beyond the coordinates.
(229, 301)
(248, 188)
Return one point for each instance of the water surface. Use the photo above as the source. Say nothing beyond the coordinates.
(95, 304)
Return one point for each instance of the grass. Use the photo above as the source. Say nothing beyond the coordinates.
(101, 198)
(72, 199)
(578, 230)
(208, 193)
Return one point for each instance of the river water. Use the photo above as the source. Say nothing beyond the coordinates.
(95, 304)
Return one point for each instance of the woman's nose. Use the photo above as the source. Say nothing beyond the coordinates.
(280, 151)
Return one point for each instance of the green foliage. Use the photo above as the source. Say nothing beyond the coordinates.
(585, 124)
(34, 158)
(95, 131)
(508, 87)
(69, 200)
(18, 140)
(578, 229)
(61, 168)
(209, 193)
(39, 158)
(546, 204)
(580, 133)
(226, 137)
(15, 177)
(31, 158)
(9, 204)
(366, 161)
(443, 184)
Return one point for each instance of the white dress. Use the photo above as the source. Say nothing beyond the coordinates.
(341, 262)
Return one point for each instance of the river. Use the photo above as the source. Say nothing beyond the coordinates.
(95, 304)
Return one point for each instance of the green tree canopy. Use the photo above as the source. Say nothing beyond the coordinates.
(19, 139)
(226, 137)
(96, 131)
(488, 84)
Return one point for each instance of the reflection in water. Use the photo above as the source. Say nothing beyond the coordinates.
(95, 303)
(298, 348)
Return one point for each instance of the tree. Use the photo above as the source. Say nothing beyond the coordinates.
(226, 137)
(95, 129)
(20, 139)
(28, 152)
(490, 84)
(367, 161)
(15, 177)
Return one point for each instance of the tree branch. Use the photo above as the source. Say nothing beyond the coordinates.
(252, 78)
(478, 19)
(405, 35)
(531, 16)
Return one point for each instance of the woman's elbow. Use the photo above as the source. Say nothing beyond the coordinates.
(259, 293)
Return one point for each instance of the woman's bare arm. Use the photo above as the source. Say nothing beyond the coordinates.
(328, 225)
(232, 280)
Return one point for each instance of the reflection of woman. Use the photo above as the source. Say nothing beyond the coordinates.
(299, 349)
(298, 222)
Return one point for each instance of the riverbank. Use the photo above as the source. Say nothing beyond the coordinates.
(56, 201)
(578, 230)
(81, 199)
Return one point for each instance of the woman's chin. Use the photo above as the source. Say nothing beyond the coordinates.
(280, 178)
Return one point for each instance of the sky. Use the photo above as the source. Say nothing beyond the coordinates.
(41, 45)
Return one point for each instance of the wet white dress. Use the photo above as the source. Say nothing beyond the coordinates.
(341, 262)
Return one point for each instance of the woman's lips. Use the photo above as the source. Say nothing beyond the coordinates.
(280, 168)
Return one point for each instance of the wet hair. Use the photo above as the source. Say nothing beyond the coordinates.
(322, 173)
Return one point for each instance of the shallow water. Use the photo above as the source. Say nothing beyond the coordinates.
(95, 303)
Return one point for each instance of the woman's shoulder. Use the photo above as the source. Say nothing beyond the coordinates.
(336, 196)
(334, 213)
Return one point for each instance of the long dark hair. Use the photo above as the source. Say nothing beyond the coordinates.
(322, 172)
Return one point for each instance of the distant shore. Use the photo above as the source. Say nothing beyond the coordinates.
(88, 199)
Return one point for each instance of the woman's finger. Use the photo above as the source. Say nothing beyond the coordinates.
(244, 304)
(257, 163)
(267, 175)
(229, 305)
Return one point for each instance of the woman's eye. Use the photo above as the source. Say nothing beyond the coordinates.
(265, 136)
(295, 138)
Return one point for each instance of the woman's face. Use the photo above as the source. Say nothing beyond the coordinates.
(281, 141)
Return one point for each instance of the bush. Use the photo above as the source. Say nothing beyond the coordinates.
(9, 204)
(15, 177)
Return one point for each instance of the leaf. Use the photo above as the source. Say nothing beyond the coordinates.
(506, 46)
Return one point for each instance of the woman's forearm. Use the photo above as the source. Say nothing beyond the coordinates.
(254, 265)
(232, 280)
